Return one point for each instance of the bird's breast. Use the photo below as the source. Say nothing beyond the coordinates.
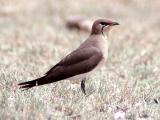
(104, 47)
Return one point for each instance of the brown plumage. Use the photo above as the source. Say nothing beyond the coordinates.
(90, 55)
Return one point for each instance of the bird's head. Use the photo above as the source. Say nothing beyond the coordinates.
(102, 25)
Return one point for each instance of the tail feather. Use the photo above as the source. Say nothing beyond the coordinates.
(41, 81)
(32, 83)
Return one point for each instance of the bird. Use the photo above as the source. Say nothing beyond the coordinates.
(79, 64)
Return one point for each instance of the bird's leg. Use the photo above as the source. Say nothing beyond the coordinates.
(83, 85)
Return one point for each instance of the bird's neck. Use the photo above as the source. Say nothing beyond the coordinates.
(104, 34)
(106, 37)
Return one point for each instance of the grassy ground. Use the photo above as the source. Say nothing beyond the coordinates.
(33, 38)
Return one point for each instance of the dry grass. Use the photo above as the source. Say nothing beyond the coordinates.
(32, 40)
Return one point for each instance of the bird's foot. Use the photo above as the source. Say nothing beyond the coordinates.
(83, 86)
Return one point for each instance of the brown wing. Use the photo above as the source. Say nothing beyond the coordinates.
(76, 57)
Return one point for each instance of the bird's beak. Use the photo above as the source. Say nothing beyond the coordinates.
(115, 23)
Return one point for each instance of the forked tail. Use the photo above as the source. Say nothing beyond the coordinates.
(33, 83)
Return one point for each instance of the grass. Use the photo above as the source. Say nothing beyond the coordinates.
(33, 37)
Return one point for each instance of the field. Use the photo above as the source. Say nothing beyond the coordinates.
(33, 38)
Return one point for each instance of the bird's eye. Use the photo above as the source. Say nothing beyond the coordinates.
(103, 23)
